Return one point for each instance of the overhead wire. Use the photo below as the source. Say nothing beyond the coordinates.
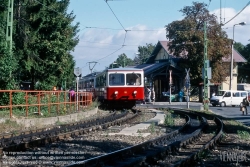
(125, 30)
(123, 44)
(115, 16)
(237, 14)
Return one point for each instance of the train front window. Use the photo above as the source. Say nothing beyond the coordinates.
(133, 79)
(116, 79)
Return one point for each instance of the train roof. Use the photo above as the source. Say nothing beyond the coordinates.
(125, 69)
(92, 74)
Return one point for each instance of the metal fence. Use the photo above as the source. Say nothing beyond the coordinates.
(26, 102)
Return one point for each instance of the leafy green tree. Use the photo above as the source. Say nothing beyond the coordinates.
(243, 68)
(187, 43)
(122, 61)
(144, 53)
(47, 38)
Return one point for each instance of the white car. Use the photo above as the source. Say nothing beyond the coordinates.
(228, 98)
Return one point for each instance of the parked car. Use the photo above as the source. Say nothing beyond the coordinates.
(228, 98)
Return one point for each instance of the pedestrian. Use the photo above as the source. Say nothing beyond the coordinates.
(181, 94)
(153, 94)
(72, 95)
(245, 103)
(148, 94)
(54, 89)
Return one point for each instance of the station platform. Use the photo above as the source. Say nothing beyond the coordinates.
(172, 103)
(133, 130)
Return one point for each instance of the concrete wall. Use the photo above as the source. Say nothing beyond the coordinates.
(38, 122)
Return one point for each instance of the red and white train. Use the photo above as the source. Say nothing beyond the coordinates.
(119, 87)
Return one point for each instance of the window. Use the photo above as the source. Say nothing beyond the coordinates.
(227, 94)
(243, 94)
(220, 93)
(236, 94)
(133, 79)
(101, 80)
(116, 79)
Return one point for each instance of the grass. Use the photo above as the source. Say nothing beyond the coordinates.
(152, 127)
(243, 135)
(169, 120)
(46, 110)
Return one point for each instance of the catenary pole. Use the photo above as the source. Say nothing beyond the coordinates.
(205, 69)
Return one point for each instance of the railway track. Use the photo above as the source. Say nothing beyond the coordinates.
(178, 148)
(24, 140)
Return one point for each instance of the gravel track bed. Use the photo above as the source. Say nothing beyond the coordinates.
(100, 142)
(185, 152)
(233, 151)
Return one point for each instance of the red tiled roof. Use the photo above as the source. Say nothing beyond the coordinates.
(164, 44)
(236, 56)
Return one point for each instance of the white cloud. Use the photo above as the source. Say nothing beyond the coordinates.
(241, 33)
(98, 44)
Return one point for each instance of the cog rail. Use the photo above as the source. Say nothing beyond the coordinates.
(140, 151)
(41, 137)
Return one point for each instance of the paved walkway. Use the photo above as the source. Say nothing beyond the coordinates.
(175, 103)
(133, 130)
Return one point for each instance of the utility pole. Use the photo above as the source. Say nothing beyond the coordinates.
(9, 26)
(187, 85)
(170, 84)
(91, 68)
(206, 71)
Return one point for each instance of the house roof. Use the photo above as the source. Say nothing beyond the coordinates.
(236, 56)
(164, 44)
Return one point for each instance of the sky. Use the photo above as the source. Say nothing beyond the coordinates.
(111, 28)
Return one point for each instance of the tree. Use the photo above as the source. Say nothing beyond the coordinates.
(144, 53)
(45, 43)
(243, 68)
(122, 61)
(187, 42)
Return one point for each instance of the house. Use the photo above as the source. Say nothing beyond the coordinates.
(162, 63)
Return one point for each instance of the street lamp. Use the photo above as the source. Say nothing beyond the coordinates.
(231, 69)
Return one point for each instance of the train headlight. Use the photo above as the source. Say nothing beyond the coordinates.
(135, 92)
(116, 93)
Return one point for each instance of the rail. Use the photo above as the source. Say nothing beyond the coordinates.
(25, 102)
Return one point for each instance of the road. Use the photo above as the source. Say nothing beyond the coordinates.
(227, 112)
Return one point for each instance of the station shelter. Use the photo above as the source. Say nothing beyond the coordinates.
(157, 73)
(160, 69)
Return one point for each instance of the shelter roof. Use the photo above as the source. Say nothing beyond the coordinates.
(150, 68)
